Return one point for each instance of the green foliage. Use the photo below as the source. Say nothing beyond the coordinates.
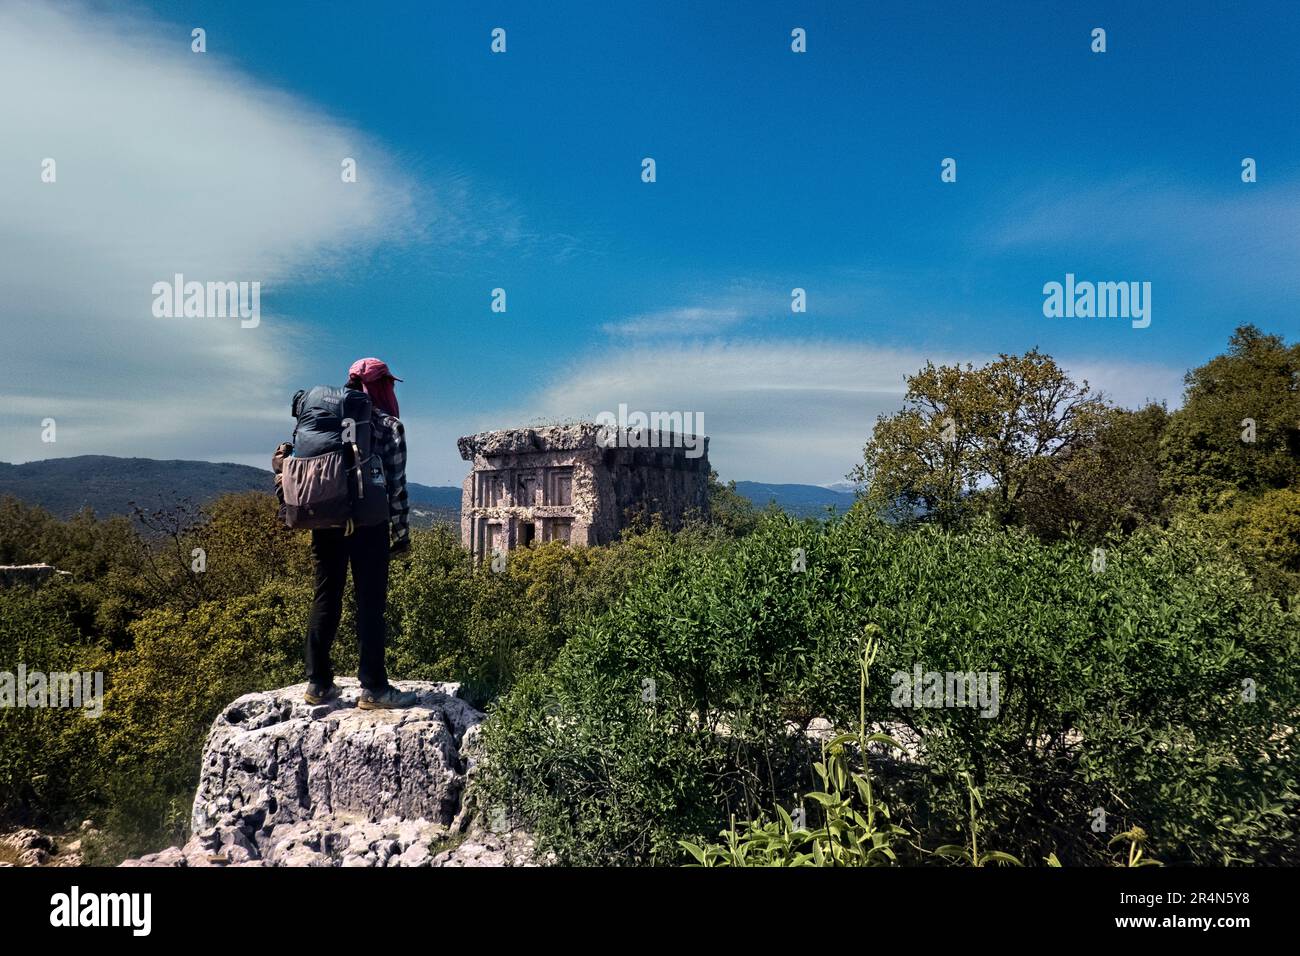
(1110, 483)
(854, 829)
(453, 620)
(1263, 530)
(1207, 462)
(1121, 690)
(43, 751)
(173, 646)
(994, 430)
(1134, 839)
(729, 510)
(184, 666)
(971, 855)
(601, 757)
(236, 546)
(83, 545)
(1018, 440)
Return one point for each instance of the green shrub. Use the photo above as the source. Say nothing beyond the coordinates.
(1263, 530)
(185, 666)
(853, 827)
(453, 620)
(48, 756)
(1122, 691)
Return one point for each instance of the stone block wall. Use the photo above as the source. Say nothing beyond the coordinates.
(579, 483)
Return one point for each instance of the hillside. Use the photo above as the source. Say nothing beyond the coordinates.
(110, 485)
(802, 501)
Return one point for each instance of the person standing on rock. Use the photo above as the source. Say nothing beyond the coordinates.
(366, 547)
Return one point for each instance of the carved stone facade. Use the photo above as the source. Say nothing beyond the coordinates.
(580, 484)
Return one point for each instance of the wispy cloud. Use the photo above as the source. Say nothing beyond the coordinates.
(689, 320)
(711, 308)
(1239, 234)
(167, 161)
(780, 410)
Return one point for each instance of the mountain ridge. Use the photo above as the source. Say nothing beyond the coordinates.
(802, 501)
(109, 484)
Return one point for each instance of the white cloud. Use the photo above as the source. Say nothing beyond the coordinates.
(690, 320)
(773, 410)
(728, 303)
(1130, 384)
(167, 161)
(1242, 235)
(778, 410)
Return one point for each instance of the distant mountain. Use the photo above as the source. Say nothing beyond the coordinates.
(802, 501)
(848, 487)
(433, 504)
(109, 485)
(435, 496)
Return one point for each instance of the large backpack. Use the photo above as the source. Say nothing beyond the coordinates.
(333, 479)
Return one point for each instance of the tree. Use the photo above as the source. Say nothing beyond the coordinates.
(977, 437)
(24, 529)
(1112, 482)
(1238, 431)
(1264, 531)
(729, 509)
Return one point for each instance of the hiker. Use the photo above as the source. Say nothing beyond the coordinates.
(344, 477)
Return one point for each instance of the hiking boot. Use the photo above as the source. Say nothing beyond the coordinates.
(390, 698)
(320, 694)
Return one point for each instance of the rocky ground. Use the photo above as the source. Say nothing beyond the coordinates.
(283, 783)
(33, 848)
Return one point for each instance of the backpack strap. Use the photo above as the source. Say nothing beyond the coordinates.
(356, 466)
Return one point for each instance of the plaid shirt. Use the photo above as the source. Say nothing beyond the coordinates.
(388, 439)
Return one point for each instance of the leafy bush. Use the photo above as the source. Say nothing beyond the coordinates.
(185, 666)
(1123, 691)
(47, 755)
(1256, 384)
(453, 620)
(162, 695)
(173, 645)
(1263, 530)
(854, 827)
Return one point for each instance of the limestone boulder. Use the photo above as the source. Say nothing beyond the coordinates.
(285, 783)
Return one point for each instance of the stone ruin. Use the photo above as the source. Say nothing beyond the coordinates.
(581, 484)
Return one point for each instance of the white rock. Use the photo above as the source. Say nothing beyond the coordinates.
(283, 783)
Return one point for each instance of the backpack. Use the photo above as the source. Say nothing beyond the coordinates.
(333, 479)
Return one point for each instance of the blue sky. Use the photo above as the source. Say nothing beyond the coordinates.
(521, 170)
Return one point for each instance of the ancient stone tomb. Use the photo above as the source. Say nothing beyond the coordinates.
(580, 484)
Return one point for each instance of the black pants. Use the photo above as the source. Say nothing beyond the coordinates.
(367, 551)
